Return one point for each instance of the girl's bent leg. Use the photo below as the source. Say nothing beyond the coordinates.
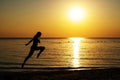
(42, 48)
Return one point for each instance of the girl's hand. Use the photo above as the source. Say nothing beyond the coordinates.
(26, 44)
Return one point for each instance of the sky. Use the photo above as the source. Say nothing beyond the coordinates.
(23, 18)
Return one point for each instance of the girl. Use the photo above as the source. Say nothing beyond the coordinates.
(34, 47)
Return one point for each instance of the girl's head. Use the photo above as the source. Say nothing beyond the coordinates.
(38, 34)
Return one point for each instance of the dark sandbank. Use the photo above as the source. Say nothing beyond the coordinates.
(61, 74)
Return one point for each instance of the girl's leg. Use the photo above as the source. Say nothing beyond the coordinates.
(29, 55)
(41, 48)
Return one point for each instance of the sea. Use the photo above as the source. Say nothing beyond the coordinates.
(61, 53)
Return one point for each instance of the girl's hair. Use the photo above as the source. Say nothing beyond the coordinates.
(38, 34)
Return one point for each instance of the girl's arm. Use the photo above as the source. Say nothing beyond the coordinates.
(39, 40)
(29, 42)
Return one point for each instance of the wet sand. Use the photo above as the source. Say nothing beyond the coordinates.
(62, 74)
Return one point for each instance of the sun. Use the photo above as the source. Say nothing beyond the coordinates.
(76, 14)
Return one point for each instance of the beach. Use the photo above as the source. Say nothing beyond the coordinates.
(62, 74)
(66, 59)
(60, 40)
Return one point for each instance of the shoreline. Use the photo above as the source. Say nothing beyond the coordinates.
(62, 74)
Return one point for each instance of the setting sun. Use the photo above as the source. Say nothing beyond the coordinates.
(76, 14)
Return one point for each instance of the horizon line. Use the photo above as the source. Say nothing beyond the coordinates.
(60, 37)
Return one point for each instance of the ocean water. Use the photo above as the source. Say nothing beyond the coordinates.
(68, 52)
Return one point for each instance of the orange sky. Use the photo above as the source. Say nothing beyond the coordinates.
(23, 18)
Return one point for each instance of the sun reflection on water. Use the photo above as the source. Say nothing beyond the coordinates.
(76, 51)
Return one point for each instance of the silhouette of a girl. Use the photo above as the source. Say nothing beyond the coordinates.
(34, 47)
